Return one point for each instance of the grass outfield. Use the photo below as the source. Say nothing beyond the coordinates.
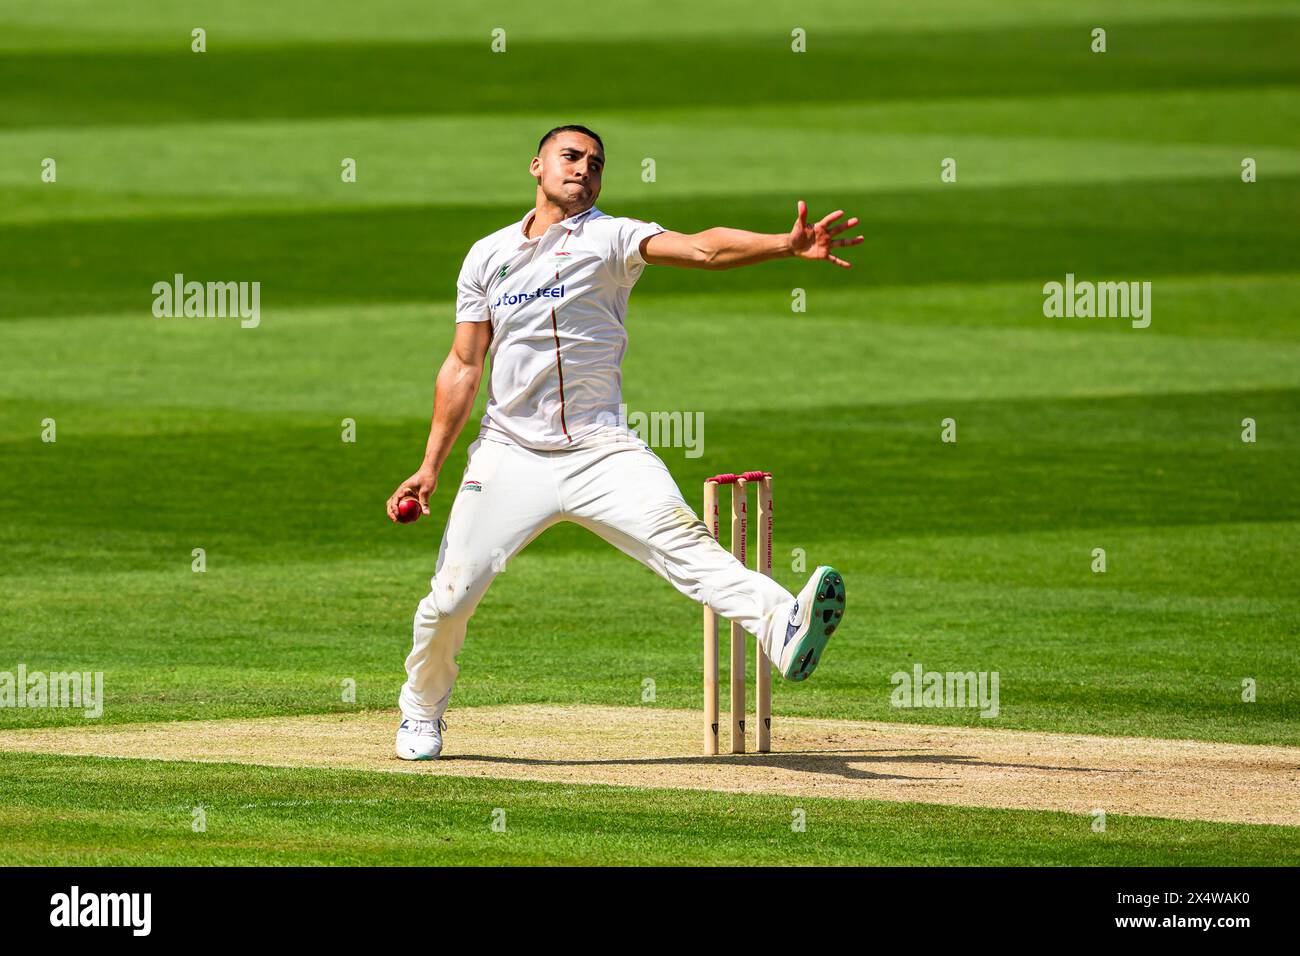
(136, 812)
(1073, 434)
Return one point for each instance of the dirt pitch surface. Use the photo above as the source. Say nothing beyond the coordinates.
(814, 758)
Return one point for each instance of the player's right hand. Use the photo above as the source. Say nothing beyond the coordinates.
(419, 486)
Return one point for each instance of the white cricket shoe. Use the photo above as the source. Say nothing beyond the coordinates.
(814, 616)
(420, 739)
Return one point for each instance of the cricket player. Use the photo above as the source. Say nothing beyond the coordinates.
(545, 297)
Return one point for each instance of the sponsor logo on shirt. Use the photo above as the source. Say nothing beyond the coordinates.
(472, 486)
(504, 269)
(514, 298)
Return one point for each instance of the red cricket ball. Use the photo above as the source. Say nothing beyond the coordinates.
(408, 510)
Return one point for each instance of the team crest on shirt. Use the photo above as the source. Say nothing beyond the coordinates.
(504, 269)
(472, 486)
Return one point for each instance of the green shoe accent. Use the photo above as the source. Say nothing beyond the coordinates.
(827, 612)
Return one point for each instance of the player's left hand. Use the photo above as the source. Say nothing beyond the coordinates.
(817, 241)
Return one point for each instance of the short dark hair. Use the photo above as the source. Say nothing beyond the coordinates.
(573, 127)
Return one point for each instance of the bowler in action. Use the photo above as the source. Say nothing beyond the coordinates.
(545, 297)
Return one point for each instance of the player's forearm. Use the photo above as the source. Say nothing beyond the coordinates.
(724, 248)
(453, 400)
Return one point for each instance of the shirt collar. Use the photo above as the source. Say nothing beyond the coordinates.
(569, 223)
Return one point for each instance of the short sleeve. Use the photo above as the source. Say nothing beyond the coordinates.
(471, 292)
(626, 261)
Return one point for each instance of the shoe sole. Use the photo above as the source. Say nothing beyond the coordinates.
(417, 756)
(827, 612)
(413, 755)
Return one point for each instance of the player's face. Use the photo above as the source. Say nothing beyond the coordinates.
(569, 170)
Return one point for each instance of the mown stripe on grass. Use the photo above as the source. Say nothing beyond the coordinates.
(1130, 231)
(98, 811)
(106, 87)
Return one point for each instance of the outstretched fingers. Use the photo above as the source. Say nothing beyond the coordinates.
(847, 224)
(823, 230)
(830, 218)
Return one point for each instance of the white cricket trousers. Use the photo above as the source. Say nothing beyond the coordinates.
(620, 489)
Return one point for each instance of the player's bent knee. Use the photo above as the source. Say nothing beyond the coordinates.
(447, 600)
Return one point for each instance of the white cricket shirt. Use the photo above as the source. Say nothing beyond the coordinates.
(556, 304)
